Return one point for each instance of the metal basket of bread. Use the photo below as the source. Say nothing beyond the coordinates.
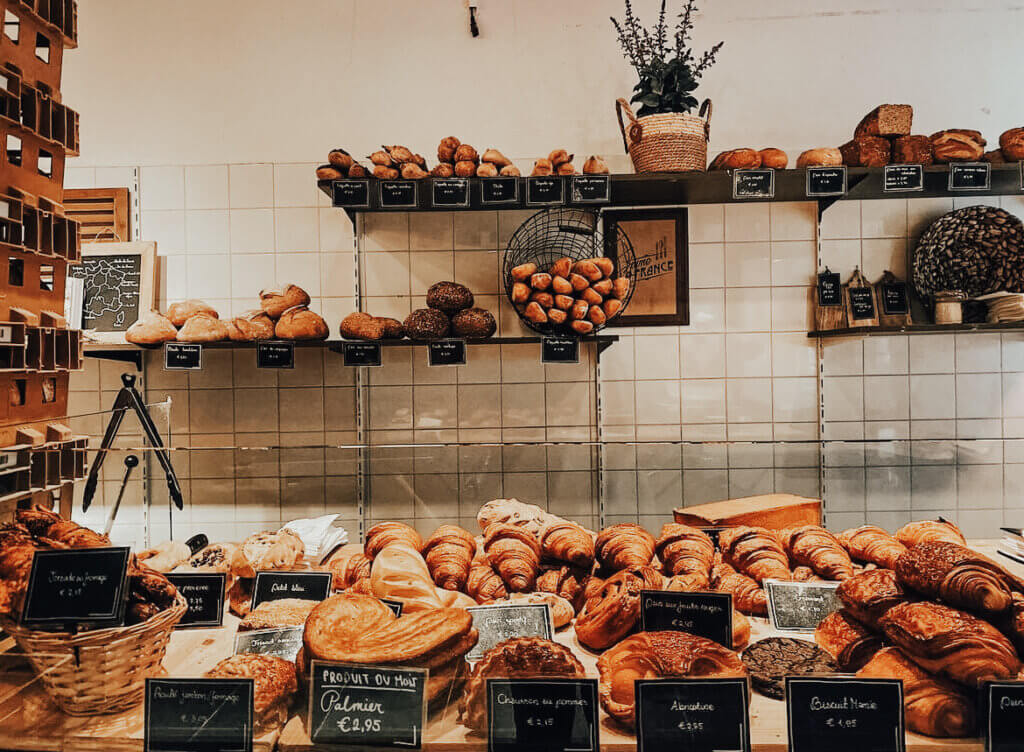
(563, 275)
(97, 671)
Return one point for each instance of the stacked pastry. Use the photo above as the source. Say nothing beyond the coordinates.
(578, 296)
(393, 162)
(456, 159)
(340, 165)
(449, 312)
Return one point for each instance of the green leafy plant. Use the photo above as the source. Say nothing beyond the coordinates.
(668, 74)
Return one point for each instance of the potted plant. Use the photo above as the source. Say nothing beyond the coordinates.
(663, 136)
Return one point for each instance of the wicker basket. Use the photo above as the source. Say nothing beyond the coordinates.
(103, 670)
(670, 142)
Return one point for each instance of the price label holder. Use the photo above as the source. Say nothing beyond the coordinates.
(545, 191)
(450, 193)
(273, 586)
(395, 606)
(1004, 716)
(902, 178)
(351, 194)
(826, 181)
(204, 592)
(446, 352)
(800, 606)
(830, 289)
(542, 715)
(499, 191)
(970, 176)
(560, 350)
(275, 355)
(361, 354)
(702, 715)
(6, 334)
(77, 586)
(397, 194)
(894, 298)
(367, 706)
(282, 642)
(198, 715)
(499, 623)
(590, 189)
(703, 614)
(862, 303)
(753, 183)
(179, 356)
(844, 715)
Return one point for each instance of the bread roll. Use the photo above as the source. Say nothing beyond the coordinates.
(595, 166)
(496, 158)
(466, 153)
(1011, 143)
(360, 325)
(301, 323)
(541, 168)
(329, 172)
(179, 313)
(443, 170)
(151, 329)
(486, 170)
(475, 323)
(340, 158)
(736, 159)
(203, 328)
(465, 169)
(446, 149)
(510, 171)
(385, 173)
(275, 301)
(957, 145)
(357, 171)
(559, 157)
(426, 324)
(774, 158)
(824, 157)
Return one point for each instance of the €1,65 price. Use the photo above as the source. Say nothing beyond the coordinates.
(349, 724)
(841, 723)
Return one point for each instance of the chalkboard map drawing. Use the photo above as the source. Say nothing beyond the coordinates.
(119, 281)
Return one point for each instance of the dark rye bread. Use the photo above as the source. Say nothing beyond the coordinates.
(772, 659)
(866, 151)
(886, 120)
(912, 150)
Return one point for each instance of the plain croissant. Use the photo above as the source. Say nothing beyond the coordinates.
(815, 547)
(384, 534)
(686, 552)
(747, 595)
(923, 531)
(515, 555)
(568, 542)
(872, 544)
(449, 553)
(624, 545)
(484, 585)
(756, 552)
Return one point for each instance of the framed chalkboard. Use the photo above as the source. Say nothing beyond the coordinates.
(198, 715)
(800, 606)
(119, 282)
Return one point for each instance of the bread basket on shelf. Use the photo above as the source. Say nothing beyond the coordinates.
(666, 142)
(102, 670)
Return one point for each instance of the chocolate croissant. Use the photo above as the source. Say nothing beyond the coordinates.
(624, 545)
(449, 553)
(846, 640)
(747, 596)
(755, 551)
(566, 541)
(614, 610)
(868, 595)
(957, 575)
(815, 547)
(686, 552)
(514, 554)
(872, 544)
(923, 531)
(484, 585)
(385, 533)
(566, 582)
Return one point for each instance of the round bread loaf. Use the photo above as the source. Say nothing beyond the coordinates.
(474, 323)
(426, 324)
(203, 328)
(275, 302)
(774, 158)
(1011, 143)
(151, 329)
(301, 323)
(449, 297)
(826, 157)
(179, 313)
(393, 328)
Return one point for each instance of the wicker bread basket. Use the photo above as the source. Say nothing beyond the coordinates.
(668, 142)
(103, 670)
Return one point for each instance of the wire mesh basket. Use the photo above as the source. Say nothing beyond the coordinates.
(577, 234)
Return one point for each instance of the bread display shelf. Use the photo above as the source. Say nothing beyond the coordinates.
(882, 331)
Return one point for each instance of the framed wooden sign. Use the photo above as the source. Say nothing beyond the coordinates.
(118, 284)
(661, 280)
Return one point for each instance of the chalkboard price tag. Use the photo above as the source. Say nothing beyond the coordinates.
(844, 715)
(902, 178)
(397, 194)
(894, 298)
(499, 190)
(179, 356)
(1004, 716)
(692, 714)
(351, 194)
(544, 191)
(395, 606)
(499, 623)
(542, 715)
(826, 181)
(85, 585)
(275, 355)
(830, 289)
(862, 302)
(799, 606)
(970, 176)
(361, 353)
(591, 189)
(703, 614)
(450, 192)
(273, 586)
(282, 642)
(446, 352)
(753, 183)
(560, 350)
(204, 592)
(368, 706)
(6, 334)
(198, 715)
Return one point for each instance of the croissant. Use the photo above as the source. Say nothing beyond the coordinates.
(1012, 623)
(846, 640)
(872, 544)
(566, 541)
(815, 547)
(868, 595)
(515, 555)
(804, 574)
(953, 643)
(348, 565)
(686, 551)
(565, 581)
(385, 533)
(613, 611)
(484, 585)
(957, 575)
(923, 531)
(624, 545)
(53, 530)
(449, 553)
(754, 551)
(932, 706)
(747, 595)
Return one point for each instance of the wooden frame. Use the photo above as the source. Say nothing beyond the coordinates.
(147, 271)
(659, 237)
(104, 214)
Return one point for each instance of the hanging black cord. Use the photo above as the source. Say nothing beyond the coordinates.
(473, 28)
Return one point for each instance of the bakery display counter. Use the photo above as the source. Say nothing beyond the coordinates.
(881, 331)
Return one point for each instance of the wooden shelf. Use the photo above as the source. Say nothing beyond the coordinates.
(882, 331)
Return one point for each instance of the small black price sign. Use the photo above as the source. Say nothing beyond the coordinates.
(499, 190)
(351, 194)
(560, 350)
(273, 586)
(368, 706)
(204, 592)
(970, 176)
(826, 181)
(446, 352)
(894, 298)
(179, 356)
(591, 189)
(862, 303)
(702, 715)
(77, 586)
(198, 715)
(361, 353)
(1004, 716)
(703, 614)
(397, 194)
(830, 289)
(542, 715)
(544, 191)
(800, 606)
(449, 192)
(901, 178)
(753, 183)
(844, 715)
(275, 355)
(395, 606)
(499, 623)
(282, 642)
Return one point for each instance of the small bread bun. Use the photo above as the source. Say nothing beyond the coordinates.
(565, 168)
(465, 169)
(736, 159)
(203, 328)
(412, 171)
(443, 170)
(276, 301)
(301, 323)
(486, 170)
(510, 171)
(381, 158)
(340, 158)
(774, 158)
(1011, 143)
(824, 157)
(446, 149)
(595, 166)
(542, 168)
(329, 172)
(466, 153)
(151, 329)
(559, 156)
(496, 158)
(357, 171)
(179, 313)
(400, 154)
(385, 173)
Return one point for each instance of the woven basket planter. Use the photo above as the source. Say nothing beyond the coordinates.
(668, 142)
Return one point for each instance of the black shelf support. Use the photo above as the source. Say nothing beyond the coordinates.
(133, 355)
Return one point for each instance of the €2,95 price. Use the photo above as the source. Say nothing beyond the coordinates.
(355, 725)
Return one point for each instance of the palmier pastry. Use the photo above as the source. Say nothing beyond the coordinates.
(747, 596)
(274, 685)
(449, 553)
(284, 612)
(686, 552)
(868, 595)
(514, 553)
(262, 551)
(484, 585)
(613, 610)
(385, 533)
(929, 530)
(567, 582)
(846, 640)
(755, 551)
(957, 575)
(872, 544)
(348, 565)
(624, 545)
(815, 547)
(566, 541)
